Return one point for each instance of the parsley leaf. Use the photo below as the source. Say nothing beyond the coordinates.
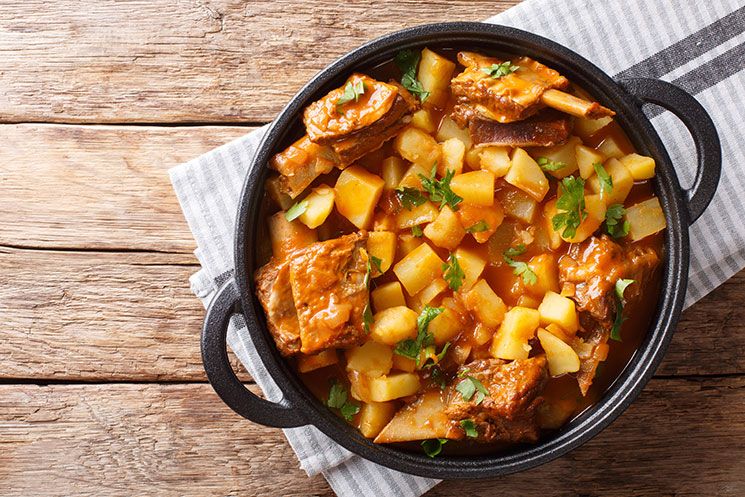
(479, 227)
(549, 165)
(352, 91)
(571, 206)
(348, 410)
(520, 268)
(606, 182)
(412, 348)
(518, 249)
(296, 210)
(453, 273)
(469, 387)
(434, 446)
(367, 318)
(407, 61)
(376, 262)
(613, 224)
(410, 197)
(439, 356)
(496, 71)
(439, 190)
(615, 333)
(417, 231)
(338, 400)
(469, 427)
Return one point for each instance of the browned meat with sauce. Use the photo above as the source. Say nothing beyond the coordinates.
(301, 163)
(545, 129)
(594, 266)
(275, 294)
(508, 413)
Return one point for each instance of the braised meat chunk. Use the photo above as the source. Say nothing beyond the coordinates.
(301, 163)
(545, 129)
(275, 294)
(508, 413)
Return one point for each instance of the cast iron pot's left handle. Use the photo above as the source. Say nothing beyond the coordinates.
(221, 374)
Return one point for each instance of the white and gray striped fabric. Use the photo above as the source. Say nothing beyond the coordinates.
(698, 45)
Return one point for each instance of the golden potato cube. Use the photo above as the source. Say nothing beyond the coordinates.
(486, 305)
(320, 203)
(418, 268)
(595, 207)
(481, 222)
(357, 192)
(640, 167)
(374, 416)
(411, 178)
(561, 358)
(388, 295)
(517, 204)
(395, 386)
(284, 201)
(472, 159)
(393, 324)
(422, 419)
(393, 169)
(382, 221)
(434, 74)
(559, 310)
(472, 265)
(496, 160)
(428, 293)
(407, 243)
(611, 148)
(558, 331)
(424, 120)
(526, 175)
(453, 151)
(622, 182)
(585, 128)
(511, 341)
(645, 218)
(448, 129)
(445, 231)
(526, 300)
(482, 334)
(445, 327)
(371, 358)
(554, 237)
(420, 214)
(586, 159)
(307, 363)
(418, 147)
(561, 153)
(402, 363)
(475, 187)
(288, 236)
(547, 274)
(382, 244)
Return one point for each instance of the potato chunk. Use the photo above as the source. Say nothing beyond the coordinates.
(374, 416)
(394, 324)
(561, 357)
(511, 341)
(420, 214)
(495, 160)
(554, 237)
(595, 207)
(287, 236)
(517, 204)
(382, 244)
(481, 222)
(586, 159)
(418, 147)
(393, 169)
(585, 128)
(435, 73)
(526, 175)
(428, 293)
(622, 182)
(444, 327)
(320, 202)
(395, 386)
(357, 192)
(424, 418)
(445, 231)
(564, 153)
(387, 296)
(407, 243)
(475, 187)
(371, 358)
(418, 268)
(645, 218)
(487, 306)
(547, 274)
(411, 177)
(611, 148)
(559, 310)
(639, 166)
(424, 120)
(448, 129)
(472, 265)
(453, 151)
(307, 363)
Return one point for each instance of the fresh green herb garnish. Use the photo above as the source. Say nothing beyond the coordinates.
(407, 61)
(571, 206)
(469, 427)
(367, 318)
(417, 231)
(434, 446)
(453, 273)
(615, 333)
(338, 400)
(549, 165)
(410, 197)
(496, 71)
(613, 224)
(479, 227)
(438, 377)
(376, 262)
(606, 182)
(352, 91)
(520, 268)
(439, 356)
(463, 372)
(296, 210)
(412, 348)
(439, 190)
(469, 387)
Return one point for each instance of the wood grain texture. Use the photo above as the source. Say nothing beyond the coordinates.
(201, 61)
(121, 440)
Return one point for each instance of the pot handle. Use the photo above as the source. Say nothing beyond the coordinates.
(221, 374)
(701, 127)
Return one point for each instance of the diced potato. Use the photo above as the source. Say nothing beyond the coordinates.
(383, 221)
(435, 73)
(595, 207)
(640, 167)
(428, 293)
(526, 175)
(388, 295)
(622, 182)
(562, 359)
(374, 416)
(418, 268)
(554, 237)
(307, 363)
(475, 187)
(482, 334)
(287, 236)
(395, 386)
(424, 120)
(418, 147)
(529, 301)
(453, 151)
(511, 341)
(553, 413)
(559, 310)
(382, 244)
(481, 222)
(402, 363)
(394, 324)
(407, 243)
(561, 153)
(411, 177)
(448, 129)
(585, 128)
(560, 332)
(423, 419)
(320, 202)
(371, 358)
(444, 327)
(460, 353)
(283, 200)
(611, 148)
(495, 160)
(472, 265)
(547, 274)
(357, 192)
(645, 218)
(393, 169)
(420, 214)
(485, 304)
(517, 204)
(445, 231)
(472, 159)
(586, 159)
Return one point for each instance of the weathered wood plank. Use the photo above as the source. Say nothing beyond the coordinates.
(212, 61)
(112, 440)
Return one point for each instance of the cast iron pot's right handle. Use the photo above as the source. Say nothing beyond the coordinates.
(701, 127)
(221, 374)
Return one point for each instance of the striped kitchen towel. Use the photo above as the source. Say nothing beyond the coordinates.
(697, 44)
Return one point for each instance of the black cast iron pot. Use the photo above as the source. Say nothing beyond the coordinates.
(682, 207)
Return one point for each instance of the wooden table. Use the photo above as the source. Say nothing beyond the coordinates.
(101, 387)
